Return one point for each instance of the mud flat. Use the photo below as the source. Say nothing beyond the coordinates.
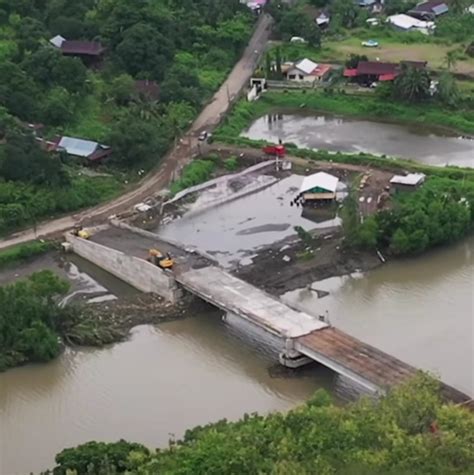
(289, 264)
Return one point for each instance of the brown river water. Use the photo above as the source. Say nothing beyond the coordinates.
(429, 145)
(167, 378)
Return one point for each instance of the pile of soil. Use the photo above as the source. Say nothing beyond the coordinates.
(110, 322)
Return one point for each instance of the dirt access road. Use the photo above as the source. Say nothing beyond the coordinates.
(182, 153)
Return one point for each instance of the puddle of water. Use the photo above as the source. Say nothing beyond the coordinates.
(235, 229)
(424, 144)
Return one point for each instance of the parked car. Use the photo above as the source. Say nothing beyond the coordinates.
(297, 39)
(370, 43)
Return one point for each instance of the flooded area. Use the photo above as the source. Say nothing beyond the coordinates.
(236, 229)
(419, 310)
(432, 146)
(149, 389)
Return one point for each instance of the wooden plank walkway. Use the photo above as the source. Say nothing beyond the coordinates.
(362, 362)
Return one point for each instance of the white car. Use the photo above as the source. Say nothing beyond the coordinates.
(370, 43)
(297, 39)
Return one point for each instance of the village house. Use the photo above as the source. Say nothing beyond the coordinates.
(410, 182)
(404, 22)
(429, 10)
(368, 72)
(89, 151)
(90, 52)
(306, 70)
(318, 188)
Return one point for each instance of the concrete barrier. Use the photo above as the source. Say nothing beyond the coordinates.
(137, 272)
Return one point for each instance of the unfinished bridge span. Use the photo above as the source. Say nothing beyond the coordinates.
(304, 337)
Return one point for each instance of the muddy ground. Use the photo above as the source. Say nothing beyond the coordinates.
(291, 264)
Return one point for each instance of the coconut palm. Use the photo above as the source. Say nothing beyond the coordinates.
(412, 84)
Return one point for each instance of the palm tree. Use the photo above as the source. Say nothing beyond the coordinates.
(412, 84)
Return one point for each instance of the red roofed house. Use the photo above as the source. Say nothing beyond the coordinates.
(368, 72)
(307, 70)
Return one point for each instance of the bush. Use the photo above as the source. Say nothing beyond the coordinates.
(231, 164)
(24, 251)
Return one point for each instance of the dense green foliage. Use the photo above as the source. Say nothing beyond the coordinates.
(441, 212)
(99, 457)
(29, 318)
(185, 46)
(391, 436)
(24, 251)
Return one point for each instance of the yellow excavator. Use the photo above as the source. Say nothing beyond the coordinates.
(79, 231)
(159, 259)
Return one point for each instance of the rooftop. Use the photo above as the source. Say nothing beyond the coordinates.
(306, 66)
(320, 180)
(80, 147)
(412, 179)
(436, 7)
(87, 48)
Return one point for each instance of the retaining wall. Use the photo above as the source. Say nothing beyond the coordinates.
(137, 272)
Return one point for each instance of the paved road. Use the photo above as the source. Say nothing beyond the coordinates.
(175, 159)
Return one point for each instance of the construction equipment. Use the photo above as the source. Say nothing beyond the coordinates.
(159, 259)
(79, 231)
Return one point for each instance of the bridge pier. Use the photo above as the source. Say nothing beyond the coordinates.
(292, 358)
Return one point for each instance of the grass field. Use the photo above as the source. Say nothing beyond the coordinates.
(394, 51)
(391, 49)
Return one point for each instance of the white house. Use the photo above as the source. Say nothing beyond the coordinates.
(408, 23)
(307, 70)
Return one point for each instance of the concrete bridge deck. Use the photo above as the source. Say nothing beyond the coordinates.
(231, 294)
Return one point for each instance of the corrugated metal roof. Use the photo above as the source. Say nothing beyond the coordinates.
(306, 65)
(320, 180)
(78, 147)
(440, 9)
(411, 179)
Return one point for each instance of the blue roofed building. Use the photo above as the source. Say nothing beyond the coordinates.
(86, 149)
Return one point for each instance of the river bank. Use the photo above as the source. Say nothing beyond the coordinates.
(372, 108)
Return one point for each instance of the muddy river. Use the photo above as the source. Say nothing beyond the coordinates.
(432, 146)
(162, 381)
(180, 374)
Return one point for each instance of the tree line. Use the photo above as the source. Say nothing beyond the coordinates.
(410, 431)
(441, 212)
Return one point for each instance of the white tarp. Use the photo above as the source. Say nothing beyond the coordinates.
(320, 180)
(412, 179)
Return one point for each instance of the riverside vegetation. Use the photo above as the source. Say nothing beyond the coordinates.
(34, 324)
(410, 431)
(187, 47)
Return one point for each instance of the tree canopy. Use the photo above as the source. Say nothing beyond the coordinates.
(29, 318)
(409, 432)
